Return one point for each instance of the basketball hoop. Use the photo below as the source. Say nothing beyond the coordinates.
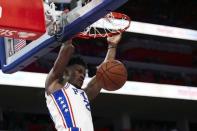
(112, 24)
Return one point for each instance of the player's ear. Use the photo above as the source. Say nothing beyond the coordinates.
(66, 72)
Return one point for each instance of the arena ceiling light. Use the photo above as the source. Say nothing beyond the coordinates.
(130, 88)
(152, 29)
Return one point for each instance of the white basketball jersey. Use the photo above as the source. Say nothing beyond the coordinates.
(70, 109)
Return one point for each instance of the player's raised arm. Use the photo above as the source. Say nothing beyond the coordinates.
(112, 45)
(93, 88)
(58, 68)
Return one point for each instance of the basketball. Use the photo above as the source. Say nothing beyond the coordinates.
(112, 75)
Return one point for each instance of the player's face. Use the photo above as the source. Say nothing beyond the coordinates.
(77, 75)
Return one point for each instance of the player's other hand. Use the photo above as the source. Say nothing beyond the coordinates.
(68, 42)
(114, 40)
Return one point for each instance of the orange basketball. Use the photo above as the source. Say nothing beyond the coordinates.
(112, 75)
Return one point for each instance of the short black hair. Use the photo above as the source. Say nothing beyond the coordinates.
(77, 60)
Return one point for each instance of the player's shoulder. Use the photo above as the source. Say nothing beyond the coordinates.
(53, 87)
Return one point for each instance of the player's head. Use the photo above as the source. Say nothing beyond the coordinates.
(76, 71)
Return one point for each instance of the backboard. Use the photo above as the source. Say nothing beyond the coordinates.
(77, 20)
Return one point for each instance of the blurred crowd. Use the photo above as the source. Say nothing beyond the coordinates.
(146, 59)
(16, 121)
(164, 12)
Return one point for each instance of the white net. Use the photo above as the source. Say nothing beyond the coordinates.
(112, 24)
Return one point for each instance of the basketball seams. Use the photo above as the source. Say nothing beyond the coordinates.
(104, 82)
(108, 69)
(119, 75)
(112, 66)
(106, 75)
(115, 73)
(111, 80)
(99, 76)
(112, 75)
(106, 65)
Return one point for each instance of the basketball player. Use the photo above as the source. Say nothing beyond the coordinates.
(68, 104)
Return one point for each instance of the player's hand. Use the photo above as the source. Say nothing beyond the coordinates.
(114, 40)
(69, 42)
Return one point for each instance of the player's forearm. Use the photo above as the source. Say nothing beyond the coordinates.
(111, 52)
(112, 44)
(63, 57)
(93, 88)
(66, 51)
